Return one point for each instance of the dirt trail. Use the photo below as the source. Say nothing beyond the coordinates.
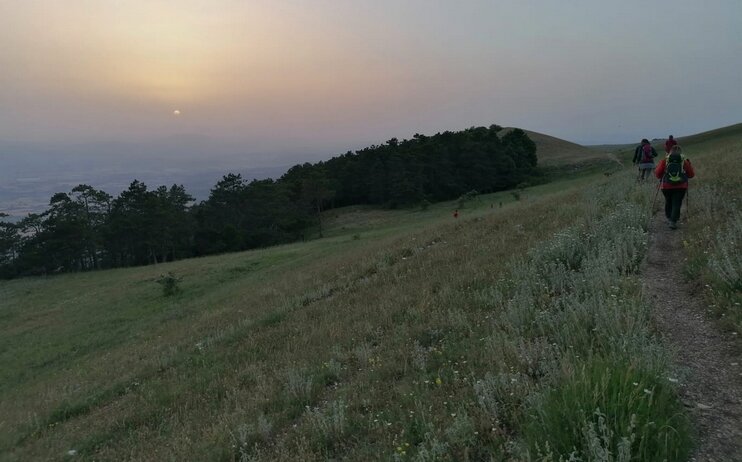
(707, 361)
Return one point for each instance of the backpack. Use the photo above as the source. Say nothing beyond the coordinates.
(674, 169)
(647, 153)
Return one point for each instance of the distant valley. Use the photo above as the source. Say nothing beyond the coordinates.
(30, 193)
(31, 173)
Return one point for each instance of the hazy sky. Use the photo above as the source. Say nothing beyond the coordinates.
(315, 75)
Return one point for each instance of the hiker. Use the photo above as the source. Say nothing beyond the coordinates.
(644, 155)
(669, 144)
(673, 171)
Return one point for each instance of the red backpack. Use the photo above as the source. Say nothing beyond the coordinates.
(647, 153)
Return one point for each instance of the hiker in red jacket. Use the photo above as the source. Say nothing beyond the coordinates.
(669, 144)
(674, 171)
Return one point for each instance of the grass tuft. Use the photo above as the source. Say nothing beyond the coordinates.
(609, 411)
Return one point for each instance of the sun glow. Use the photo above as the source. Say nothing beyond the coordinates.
(157, 53)
(234, 63)
(150, 51)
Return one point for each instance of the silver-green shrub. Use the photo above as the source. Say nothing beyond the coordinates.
(575, 303)
(725, 261)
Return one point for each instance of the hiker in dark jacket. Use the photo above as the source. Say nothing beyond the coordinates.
(644, 155)
(669, 144)
(674, 171)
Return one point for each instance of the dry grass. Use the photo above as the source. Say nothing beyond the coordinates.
(426, 338)
(104, 364)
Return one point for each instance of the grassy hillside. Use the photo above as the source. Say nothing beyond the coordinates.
(720, 135)
(516, 331)
(715, 221)
(704, 141)
(554, 151)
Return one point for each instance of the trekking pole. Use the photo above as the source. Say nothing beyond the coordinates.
(687, 205)
(657, 192)
(651, 209)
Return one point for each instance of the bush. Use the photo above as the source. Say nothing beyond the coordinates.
(467, 197)
(170, 283)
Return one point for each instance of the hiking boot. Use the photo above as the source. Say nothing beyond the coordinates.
(673, 225)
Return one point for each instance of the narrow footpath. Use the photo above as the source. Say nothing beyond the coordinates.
(707, 361)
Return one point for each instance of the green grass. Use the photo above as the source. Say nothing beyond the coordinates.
(714, 220)
(402, 335)
(718, 137)
(614, 411)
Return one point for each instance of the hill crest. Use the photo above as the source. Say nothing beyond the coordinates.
(553, 151)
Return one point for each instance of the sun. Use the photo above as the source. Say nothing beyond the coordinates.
(176, 112)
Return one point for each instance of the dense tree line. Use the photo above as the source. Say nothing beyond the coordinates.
(88, 229)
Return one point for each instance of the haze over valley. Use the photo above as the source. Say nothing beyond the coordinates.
(31, 173)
